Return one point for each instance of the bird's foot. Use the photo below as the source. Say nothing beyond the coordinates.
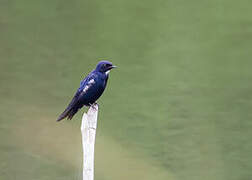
(94, 106)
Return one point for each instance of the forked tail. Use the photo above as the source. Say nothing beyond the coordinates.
(69, 113)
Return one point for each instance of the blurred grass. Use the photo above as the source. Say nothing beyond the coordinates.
(179, 105)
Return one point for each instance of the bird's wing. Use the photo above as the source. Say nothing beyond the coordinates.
(84, 85)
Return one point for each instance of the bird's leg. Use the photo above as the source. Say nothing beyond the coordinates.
(94, 105)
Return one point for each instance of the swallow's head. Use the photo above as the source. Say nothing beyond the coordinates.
(104, 66)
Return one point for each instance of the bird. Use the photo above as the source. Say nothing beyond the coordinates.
(91, 88)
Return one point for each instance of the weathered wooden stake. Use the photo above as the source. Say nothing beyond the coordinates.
(88, 131)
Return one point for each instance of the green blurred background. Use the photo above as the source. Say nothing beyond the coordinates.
(177, 108)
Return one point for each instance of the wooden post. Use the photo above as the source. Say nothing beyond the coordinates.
(88, 131)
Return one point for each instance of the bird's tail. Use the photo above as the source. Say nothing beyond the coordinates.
(69, 113)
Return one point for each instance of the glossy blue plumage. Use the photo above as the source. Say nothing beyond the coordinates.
(91, 88)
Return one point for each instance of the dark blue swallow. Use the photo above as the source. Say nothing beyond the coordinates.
(91, 88)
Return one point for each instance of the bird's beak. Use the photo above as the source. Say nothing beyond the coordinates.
(111, 67)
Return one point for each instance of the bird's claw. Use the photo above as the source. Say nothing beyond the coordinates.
(94, 106)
